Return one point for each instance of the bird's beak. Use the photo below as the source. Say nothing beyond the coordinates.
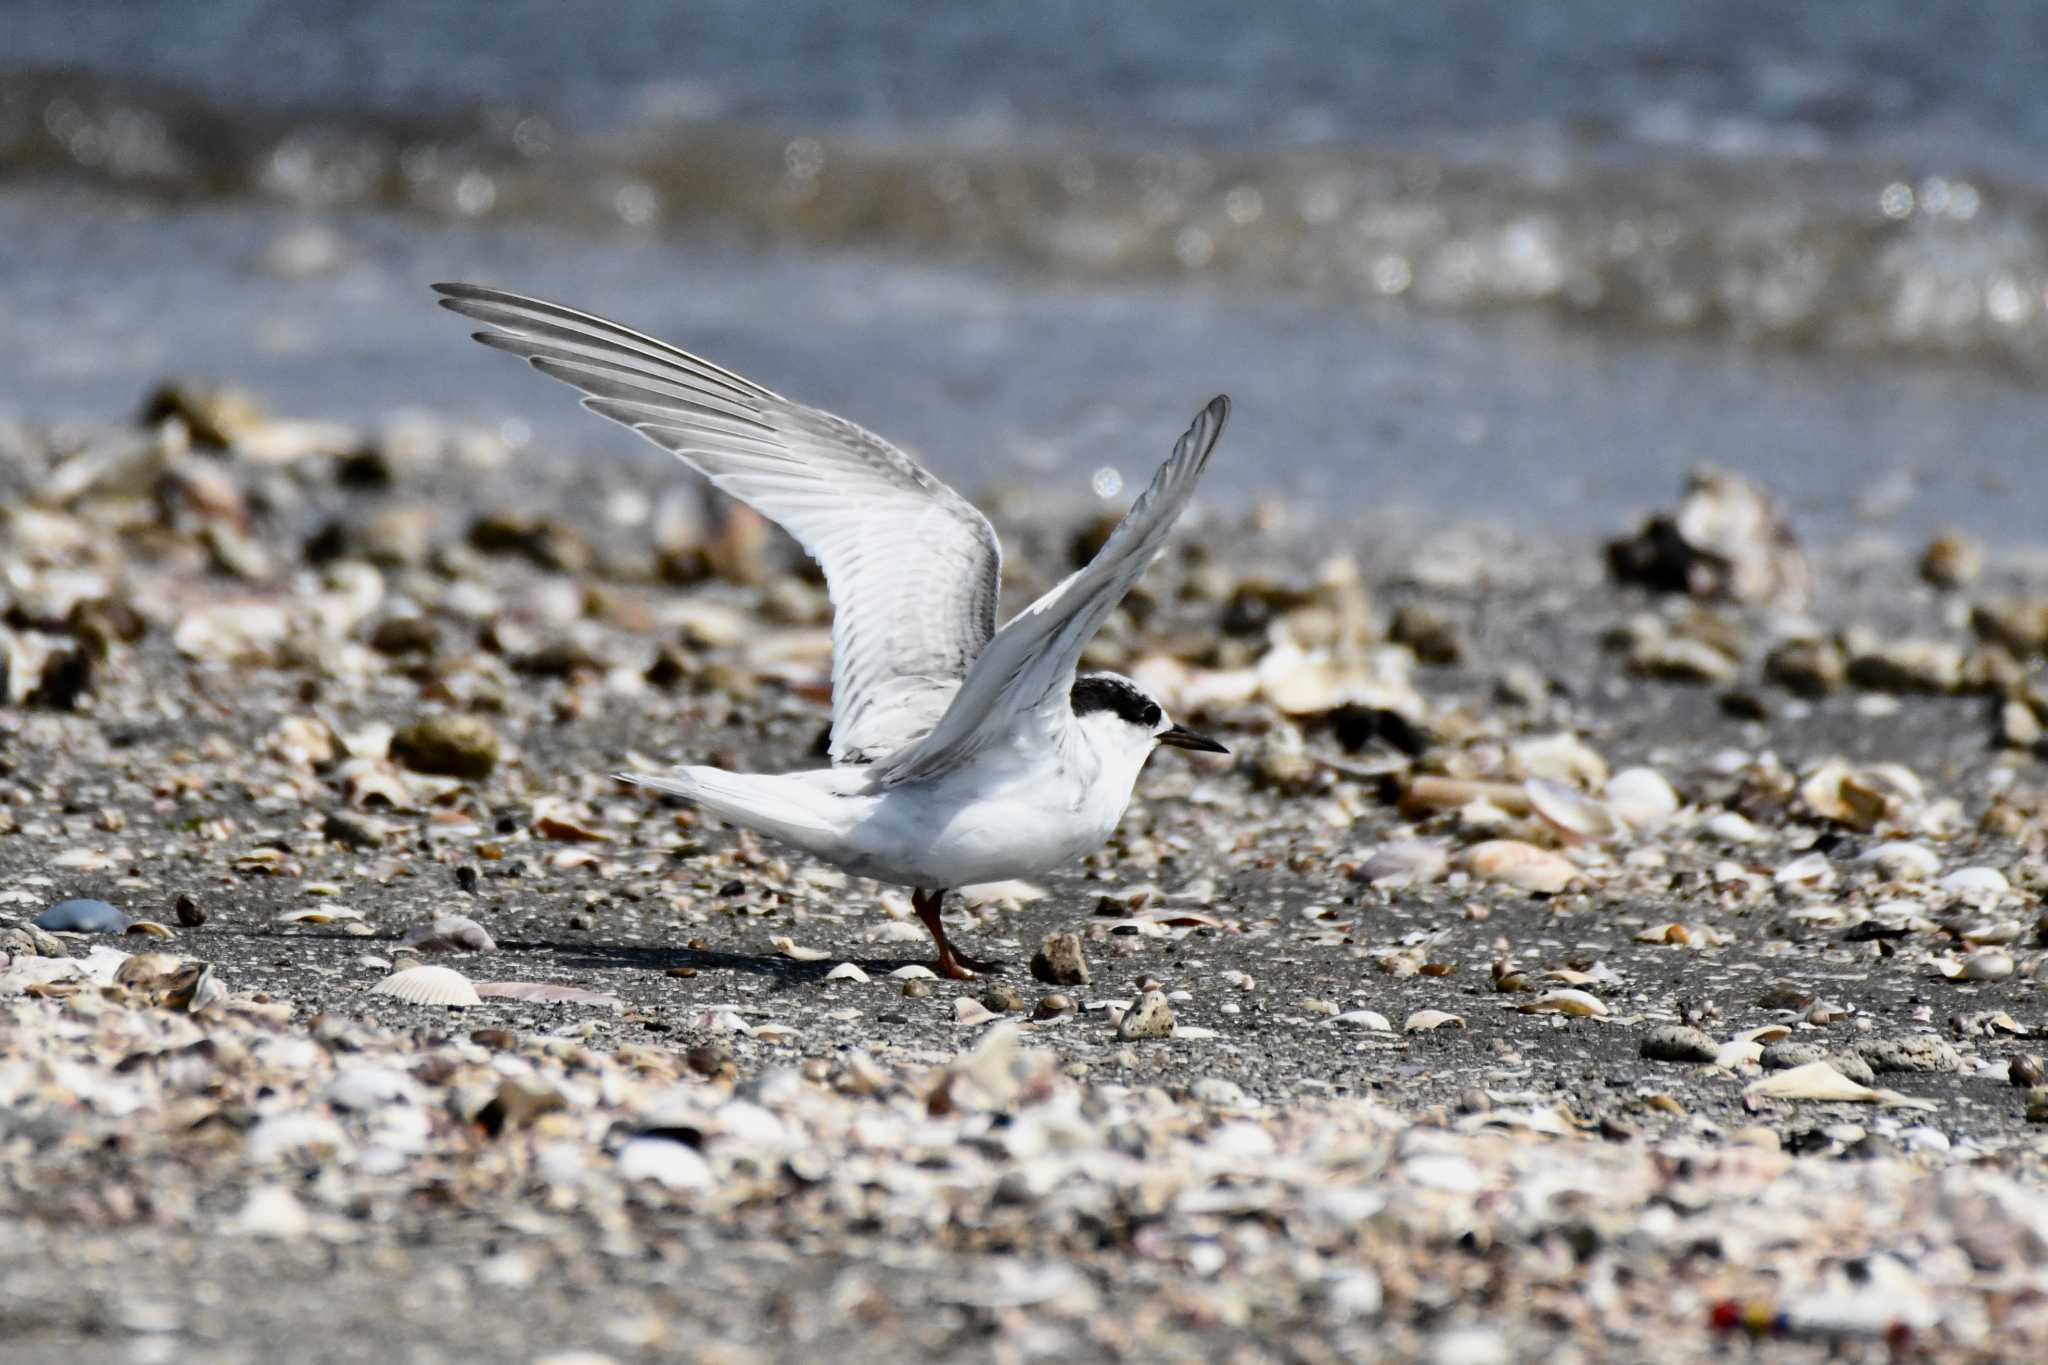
(1180, 737)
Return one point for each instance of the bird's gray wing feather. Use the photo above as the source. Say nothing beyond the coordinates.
(1030, 663)
(912, 568)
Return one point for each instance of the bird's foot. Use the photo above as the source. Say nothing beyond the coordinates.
(960, 967)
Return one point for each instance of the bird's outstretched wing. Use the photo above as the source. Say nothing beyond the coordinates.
(1030, 663)
(912, 567)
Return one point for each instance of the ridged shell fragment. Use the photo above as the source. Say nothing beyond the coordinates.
(1583, 1004)
(1576, 817)
(429, 986)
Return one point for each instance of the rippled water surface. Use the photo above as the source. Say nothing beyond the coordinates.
(1496, 260)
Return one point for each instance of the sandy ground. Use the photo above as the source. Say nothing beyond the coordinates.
(1403, 1111)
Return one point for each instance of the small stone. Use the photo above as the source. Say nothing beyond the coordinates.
(1812, 668)
(544, 541)
(1851, 1066)
(916, 989)
(1003, 999)
(405, 635)
(1952, 560)
(1678, 1043)
(1435, 637)
(2020, 624)
(1053, 1006)
(1149, 1017)
(447, 746)
(2037, 1104)
(1786, 1054)
(2025, 1070)
(1908, 666)
(356, 831)
(1060, 962)
(1917, 1053)
(82, 917)
(708, 1059)
(1681, 659)
(190, 912)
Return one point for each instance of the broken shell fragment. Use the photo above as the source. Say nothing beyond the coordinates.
(1510, 862)
(1582, 1004)
(1575, 817)
(429, 986)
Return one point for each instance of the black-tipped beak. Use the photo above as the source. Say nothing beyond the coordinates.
(1180, 737)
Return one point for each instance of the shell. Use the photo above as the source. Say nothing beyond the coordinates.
(1524, 866)
(1903, 861)
(847, 971)
(1581, 1003)
(1641, 798)
(429, 986)
(451, 934)
(1422, 1021)
(1405, 862)
(315, 914)
(1576, 817)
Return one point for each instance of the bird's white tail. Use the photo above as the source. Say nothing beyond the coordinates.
(781, 806)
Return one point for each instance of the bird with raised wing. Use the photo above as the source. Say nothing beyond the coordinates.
(960, 753)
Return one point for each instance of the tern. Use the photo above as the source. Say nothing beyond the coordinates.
(960, 753)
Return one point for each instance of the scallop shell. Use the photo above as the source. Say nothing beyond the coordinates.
(314, 914)
(1641, 798)
(1581, 1003)
(1576, 817)
(429, 986)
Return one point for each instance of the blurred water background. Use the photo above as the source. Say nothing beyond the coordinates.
(1501, 261)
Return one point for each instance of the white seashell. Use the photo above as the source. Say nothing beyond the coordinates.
(1732, 828)
(292, 1133)
(1811, 870)
(671, 1164)
(1642, 798)
(914, 972)
(846, 971)
(1976, 885)
(1525, 866)
(1576, 817)
(429, 986)
(1422, 1021)
(318, 914)
(1558, 758)
(1989, 965)
(367, 1088)
(795, 952)
(273, 1212)
(1580, 1003)
(1406, 862)
(1903, 861)
(1820, 1082)
(968, 1010)
(1366, 1019)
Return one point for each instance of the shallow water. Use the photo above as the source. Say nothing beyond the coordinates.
(1502, 262)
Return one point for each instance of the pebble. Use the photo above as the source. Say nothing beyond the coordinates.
(1150, 1017)
(1811, 668)
(1003, 998)
(448, 746)
(83, 916)
(1059, 961)
(1952, 560)
(1678, 1043)
(1917, 1053)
